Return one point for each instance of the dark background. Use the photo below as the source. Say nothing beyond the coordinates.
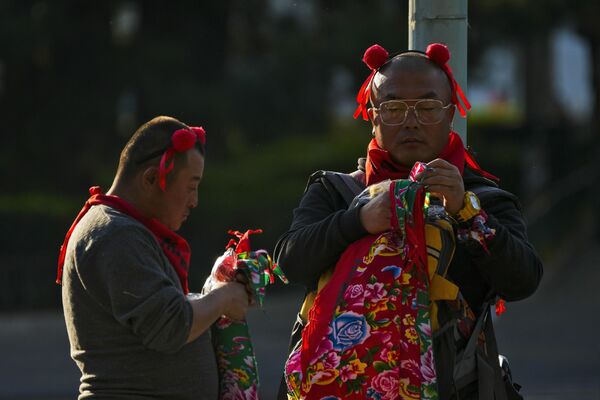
(273, 82)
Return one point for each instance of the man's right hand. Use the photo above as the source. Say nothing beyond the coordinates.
(230, 299)
(376, 215)
(233, 298)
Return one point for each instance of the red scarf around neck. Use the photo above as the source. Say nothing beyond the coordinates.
(380, 166)
(174, 246)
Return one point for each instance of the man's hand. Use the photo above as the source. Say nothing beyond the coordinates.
(376, 215)
(234, 299)
(444, 180)
(243, 279)
(230, 299)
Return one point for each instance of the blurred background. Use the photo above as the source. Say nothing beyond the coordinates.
(273, 82)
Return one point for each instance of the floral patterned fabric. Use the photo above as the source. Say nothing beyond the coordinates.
(236, 361)
(374, 341)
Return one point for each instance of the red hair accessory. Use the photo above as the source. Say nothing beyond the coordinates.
(439, 54)
(375, 56)
(182, 140)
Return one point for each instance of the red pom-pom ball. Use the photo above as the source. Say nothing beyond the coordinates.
(375, 56)
(200, 132)
(438, 52)
(183, 140)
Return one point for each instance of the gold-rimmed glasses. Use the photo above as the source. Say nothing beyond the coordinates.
(427, 111)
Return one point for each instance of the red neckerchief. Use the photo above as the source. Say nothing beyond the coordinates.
(174, 246)
(380, 166)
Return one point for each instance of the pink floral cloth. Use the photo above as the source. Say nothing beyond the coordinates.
(377, 342)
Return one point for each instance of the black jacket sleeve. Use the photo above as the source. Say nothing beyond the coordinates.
(321, 229)
(512, 269)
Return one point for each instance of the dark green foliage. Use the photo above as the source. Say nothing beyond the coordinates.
(73, 88)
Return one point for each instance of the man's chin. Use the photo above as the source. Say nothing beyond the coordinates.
(175, 227)
(405, 161)
(408, 159)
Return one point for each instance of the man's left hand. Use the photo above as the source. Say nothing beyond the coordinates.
(445, 180)
(243, 279)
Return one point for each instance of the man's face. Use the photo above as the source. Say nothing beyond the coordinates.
(181, 195)
(411, 141)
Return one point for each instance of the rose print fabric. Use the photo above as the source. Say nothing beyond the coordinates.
(369, 332)
(236, 362)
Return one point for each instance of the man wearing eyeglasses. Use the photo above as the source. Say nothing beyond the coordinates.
(410, 101)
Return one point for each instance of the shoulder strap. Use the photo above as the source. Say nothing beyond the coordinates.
(347, 185)
(497, 382)
(468, 366)
(465, 368)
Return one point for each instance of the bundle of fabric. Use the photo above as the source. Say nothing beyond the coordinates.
(236, 361)
(369, 333)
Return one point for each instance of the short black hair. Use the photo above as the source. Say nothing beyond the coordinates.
(148, 143)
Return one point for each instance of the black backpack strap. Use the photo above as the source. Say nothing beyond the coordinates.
(347, 185)
(475, 364)
(498, 384)
(465, 369)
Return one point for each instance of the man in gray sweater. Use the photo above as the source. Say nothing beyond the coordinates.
(135, 331)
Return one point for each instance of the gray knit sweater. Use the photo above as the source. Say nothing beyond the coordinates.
(127, 317)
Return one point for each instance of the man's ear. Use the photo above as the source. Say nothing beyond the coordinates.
(150, 178)
(372, 116)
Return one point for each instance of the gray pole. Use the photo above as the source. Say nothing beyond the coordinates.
(442, 21)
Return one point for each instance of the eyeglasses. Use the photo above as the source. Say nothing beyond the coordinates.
(427, 111)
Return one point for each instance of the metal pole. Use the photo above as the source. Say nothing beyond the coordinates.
(442, 21)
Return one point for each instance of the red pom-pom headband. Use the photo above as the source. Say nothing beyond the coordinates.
(376, 56)
(440, 54)
(181, 141)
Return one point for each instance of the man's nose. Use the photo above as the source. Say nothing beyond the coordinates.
(194, 201)
(411, 118)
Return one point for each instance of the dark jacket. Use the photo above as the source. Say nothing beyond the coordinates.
(322, 228)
